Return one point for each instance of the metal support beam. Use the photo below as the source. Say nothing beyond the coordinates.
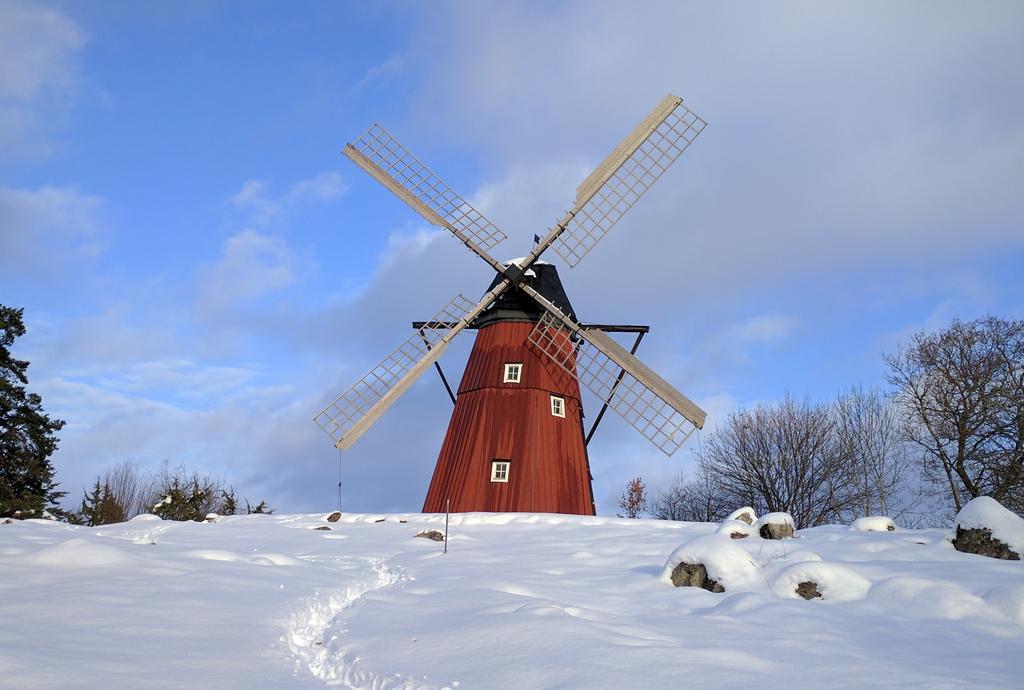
(618, 380)
(437, 365)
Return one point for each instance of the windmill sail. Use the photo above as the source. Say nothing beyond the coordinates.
(650, 404)
(394, 166)
(626, 174)
(352, 412)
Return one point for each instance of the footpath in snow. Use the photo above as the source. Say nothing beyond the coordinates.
(520, 601)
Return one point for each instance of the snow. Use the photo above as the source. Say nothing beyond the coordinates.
(745, 510)
(774, 519)
(874, 523)
(835, 582)
(519, 601)
(727, 564)
(730, 527)
(985, 512)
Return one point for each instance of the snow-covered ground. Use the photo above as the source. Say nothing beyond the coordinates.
(520, 601)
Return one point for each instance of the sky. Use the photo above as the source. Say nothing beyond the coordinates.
(202, 271)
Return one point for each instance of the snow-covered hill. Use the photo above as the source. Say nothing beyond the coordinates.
(520, 601)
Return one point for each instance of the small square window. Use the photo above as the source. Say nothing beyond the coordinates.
(499, 470)
(557, 406)
(513, 372)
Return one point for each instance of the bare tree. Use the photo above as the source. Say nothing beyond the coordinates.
(696, 500)
(962, 394)
(128, 486)
(870, 429)
(634, 498)
(784, 456)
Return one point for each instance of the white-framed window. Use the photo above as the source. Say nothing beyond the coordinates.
(557, 406)
(499, 470)
(513, 372)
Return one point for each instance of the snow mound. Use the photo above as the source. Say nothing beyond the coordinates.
(745, 511)
(726, 563)
(836, 583)
(925, 597)
(146, 517)
(80, 553)
(984, 512)
(875, 523)
(1009, 600)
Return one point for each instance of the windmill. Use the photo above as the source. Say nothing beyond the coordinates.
(516, 438)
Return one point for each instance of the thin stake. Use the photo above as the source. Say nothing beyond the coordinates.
(339, 480)
(446, 525)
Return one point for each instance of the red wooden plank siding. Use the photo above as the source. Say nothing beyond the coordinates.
(494, 420)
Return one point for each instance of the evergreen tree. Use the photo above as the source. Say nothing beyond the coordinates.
(101, 507)
(228, 502)
(28, 436)
(260, 508)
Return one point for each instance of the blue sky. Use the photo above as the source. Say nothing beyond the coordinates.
(202, 270)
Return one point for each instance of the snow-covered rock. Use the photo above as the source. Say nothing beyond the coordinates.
(874, 523)
(831, 582)
(775, 526)
(735, 529)
(986, 528)
(727, 565)
(146, 517)
(745, 514)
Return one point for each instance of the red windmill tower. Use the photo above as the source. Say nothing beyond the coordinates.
(516, 439)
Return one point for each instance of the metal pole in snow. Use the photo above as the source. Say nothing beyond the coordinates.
(446, 506)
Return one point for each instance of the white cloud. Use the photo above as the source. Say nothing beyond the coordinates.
(766, 328)
(262, 208)
(43, 228)
(251, 265)
(392, 66)
(39, 48)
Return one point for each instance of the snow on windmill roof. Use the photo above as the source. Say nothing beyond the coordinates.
(515, 305)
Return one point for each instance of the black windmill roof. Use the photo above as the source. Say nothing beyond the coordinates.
(516, 305)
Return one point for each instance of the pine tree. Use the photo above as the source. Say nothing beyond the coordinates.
(28, 436)
(101, 507)
(228, 502)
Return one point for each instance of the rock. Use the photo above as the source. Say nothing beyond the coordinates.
(694, 575)
(981, 542)
(334, 517)
(322, 528)
(808, 590)
(431, 534)
(380, 520)
(745, 514)
(986, 528)
(775, 526)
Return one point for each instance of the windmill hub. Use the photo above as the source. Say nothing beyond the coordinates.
(516, 437)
